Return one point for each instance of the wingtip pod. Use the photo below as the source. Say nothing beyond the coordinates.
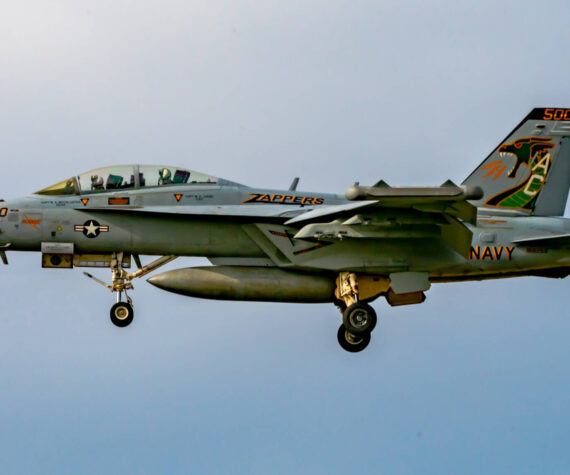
(354, 192)
(469, 192)
(473, 192)
(445, 191)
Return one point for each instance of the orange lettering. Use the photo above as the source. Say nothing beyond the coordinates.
(498, 251)
(548, 114)
(486, 253)
(254, 197)
(475, 253)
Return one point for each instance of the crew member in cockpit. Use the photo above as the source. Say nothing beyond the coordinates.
(165, 176)
(97, 182)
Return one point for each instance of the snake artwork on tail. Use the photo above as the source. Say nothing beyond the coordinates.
(531, 152)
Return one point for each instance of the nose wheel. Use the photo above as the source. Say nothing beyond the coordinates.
(122, 313)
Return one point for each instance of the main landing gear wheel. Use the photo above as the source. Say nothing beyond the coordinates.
(350, 342)
(122, 314)
(359, 319)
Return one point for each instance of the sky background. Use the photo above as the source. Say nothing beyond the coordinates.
(475, 380)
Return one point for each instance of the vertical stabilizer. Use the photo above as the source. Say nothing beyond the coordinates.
(530, 169)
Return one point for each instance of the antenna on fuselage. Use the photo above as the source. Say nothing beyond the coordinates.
(294, 184)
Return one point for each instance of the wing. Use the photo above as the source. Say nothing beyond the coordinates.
(383, 212)
(447, 199)
(381, 230)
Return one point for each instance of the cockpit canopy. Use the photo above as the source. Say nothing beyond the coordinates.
(130, 177)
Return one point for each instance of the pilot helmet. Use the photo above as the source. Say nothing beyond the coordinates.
(165, 175)
(96, 181)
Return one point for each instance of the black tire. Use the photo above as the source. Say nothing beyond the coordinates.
(122, 314)
(359, 318)
(352, 343)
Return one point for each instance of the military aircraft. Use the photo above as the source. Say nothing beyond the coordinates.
(290, 246)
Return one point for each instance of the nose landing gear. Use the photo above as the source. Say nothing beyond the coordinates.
(122, 313)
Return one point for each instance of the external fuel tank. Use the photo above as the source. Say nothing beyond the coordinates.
(262, 284)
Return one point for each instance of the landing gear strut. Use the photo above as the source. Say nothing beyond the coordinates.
(358, 318)
(122, 313)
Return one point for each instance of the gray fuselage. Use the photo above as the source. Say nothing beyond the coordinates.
(153, 223)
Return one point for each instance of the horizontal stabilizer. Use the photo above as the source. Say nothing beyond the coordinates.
(551, 240)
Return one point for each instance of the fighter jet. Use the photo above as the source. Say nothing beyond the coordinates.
(307, 247)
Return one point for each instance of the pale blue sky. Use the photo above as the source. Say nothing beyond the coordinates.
(476, 380)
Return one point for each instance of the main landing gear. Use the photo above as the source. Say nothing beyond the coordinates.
(358, 317)
(358, 321)
(122, 313)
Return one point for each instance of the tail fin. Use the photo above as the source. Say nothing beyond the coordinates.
(530, 169)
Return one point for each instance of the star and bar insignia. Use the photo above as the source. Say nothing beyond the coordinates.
(91, 228)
